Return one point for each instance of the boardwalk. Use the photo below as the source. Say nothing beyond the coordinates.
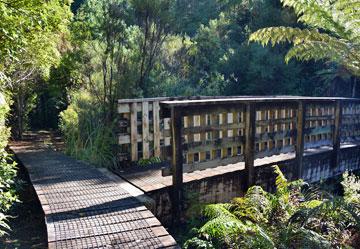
(86, 207)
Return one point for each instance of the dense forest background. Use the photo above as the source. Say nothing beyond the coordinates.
(127, 49)
(64, 64)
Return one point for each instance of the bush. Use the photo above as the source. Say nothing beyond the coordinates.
(8, 172)
(87, 136)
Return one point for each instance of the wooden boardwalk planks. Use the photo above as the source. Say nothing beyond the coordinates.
(86, 208)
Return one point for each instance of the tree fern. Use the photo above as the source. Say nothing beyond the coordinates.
(333, 32)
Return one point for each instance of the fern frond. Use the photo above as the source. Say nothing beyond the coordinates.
(223, 227)
(276, 35)
(280, 182)
(255, 205)
(215, 210)
(305, 238)
(317, 15)
(338, 41)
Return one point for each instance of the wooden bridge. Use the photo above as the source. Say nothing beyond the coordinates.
(86, 207)
(215, 147)
(312, 138)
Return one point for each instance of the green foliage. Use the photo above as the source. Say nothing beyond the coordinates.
(32, 37)
(197, 243)
(145, 162)
(255, 205)
(8, 171)
(295, 216)
(216, 210)
(351, 185)
(86, 136)
(338, 40)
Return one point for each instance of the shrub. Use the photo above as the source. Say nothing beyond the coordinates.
(87, 136)
(8, 172)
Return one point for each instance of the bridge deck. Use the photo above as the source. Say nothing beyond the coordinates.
(152, 179)
(85, 207)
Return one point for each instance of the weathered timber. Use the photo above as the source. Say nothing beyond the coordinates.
(250, 121)
(300, 137)
(87, 207)
(145, 129)
(134, 133)
(210, 139)
(177, 162)
(336, 134)
(157, 132)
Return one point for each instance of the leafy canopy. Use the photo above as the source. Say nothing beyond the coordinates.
(31, 32)
(332, 33)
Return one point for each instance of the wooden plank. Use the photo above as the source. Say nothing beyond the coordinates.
(235, 132)
(133, 132)
(224, 132)
(211, 128)
(250, 127)
(301, 112)
(124, 108)
(215, 133)
(203, 137)
(226, 142)
(337, 135)
(190, 138)
(177, 163)
(156, 124)
(145, 130)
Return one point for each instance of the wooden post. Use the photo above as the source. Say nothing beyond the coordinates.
(157, 133)
(145, 130)
(216, 133)
(202, 154)
(250, 128)
(177, 162)
(337, 135)
(134, 132)
(301, 112)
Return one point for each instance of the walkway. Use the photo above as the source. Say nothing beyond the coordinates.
(153, 180)
(86, 207)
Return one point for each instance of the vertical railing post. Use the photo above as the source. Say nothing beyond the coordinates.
(157, 132)
(145, 130)
(177, 162)
(134, 132)
(301, 112)
(250, 128)
(337, 134)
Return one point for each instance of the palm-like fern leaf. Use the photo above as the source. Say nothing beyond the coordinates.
(340, 42)
(212, 211)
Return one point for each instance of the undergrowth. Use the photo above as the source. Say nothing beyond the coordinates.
(297, 215)
(87, 137)
(8, 172)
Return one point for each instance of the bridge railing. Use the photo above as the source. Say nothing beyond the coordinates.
(214, 130)
(208, 133)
